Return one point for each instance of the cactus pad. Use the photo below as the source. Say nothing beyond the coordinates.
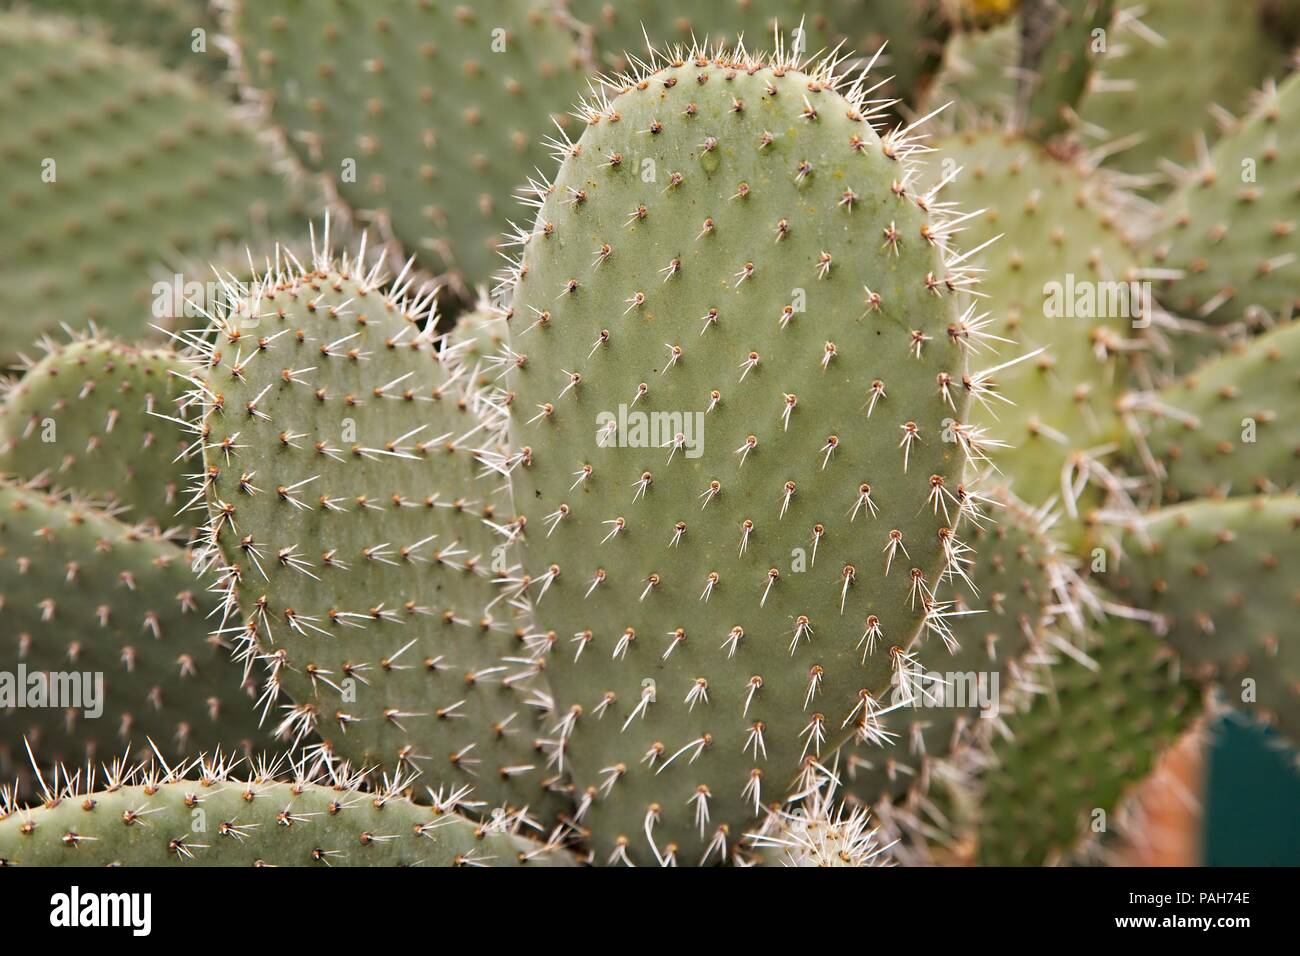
(114, 169)
(1219, 572)
(89, 417)
(422, 115)
(84, 594)
(725, 580)
(364, 556)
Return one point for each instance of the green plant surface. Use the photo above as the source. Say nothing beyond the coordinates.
(423, 116)
(84, 595)
(220, 820)
(367, 560)
(725, 609)
(114, 171)
(91, 417)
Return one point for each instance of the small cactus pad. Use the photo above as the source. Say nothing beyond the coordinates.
(1023, 583)
(1147, 96)
(977, 80)
(1222, 575)
(220, 819)
(1233, 223)
(181, 33)
(1073, 752)
(739, 468)
(1057, 280)
(423, 114)
(85, 597)
(1229, 427)
(911, 31)
(113, 168)
(1060, 42)
(89, 417)
(340, 469)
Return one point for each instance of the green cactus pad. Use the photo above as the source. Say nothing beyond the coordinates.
(84, 594)
(423, 115)
(1149, 98)
(166, 28)
(89, 417)
(1057, 280)
(114, 170)
(222, 820)
(1220, 573)
(729, 596)
(365, 556)
(912, 31)
(1075, 751)
(476, 342)
(977, 80)
(1233, 223)
(1059, 39)
(1227, 428)
(1024, 584)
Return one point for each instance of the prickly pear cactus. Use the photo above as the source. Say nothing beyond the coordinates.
(1024, 590)
(223, 819)
(424, 116)
(1227, 427)
(113, 611)
(1058, 270)
(181, 33)
(739, 466)
(1217, 574)
(1146, 61)
(1073, 753)
(1060, 40)
(114, 170)
(977, 79)
(368, 565)
(91, 416)
(911, 31)
(1232, 226)
(474, 344)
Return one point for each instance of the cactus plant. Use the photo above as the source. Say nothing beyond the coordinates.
(114, 168)
(367, 566)
(721, 293)
(92, 416)
(114, 614)
(573, 592)
(222, 816)
(342, 81)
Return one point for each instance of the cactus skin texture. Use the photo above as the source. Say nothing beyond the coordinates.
(1054, 223)
(340, 471)
(912, 31)
(686, 706)
(1233, 237)
(440, 111)
(163, 27)
(1225, 428)
(146, 167)
(1079, 746)
(81, 592)
(1058, 38)
(977, 78)
(219, 820)
(1023, 578)
(1232, 54)
(473, 346)
(1220, 574)
(88, 417)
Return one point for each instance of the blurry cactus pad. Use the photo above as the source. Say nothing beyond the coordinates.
(423, 116)
(116, 172)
